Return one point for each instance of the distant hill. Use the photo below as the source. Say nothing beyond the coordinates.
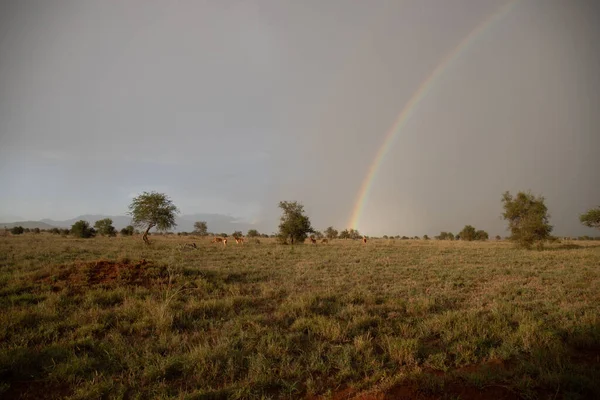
(27, 224)
(119, 221)
(217, 223)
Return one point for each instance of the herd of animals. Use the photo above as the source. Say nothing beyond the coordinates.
(241, 240)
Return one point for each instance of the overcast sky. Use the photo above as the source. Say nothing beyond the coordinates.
(231, 106)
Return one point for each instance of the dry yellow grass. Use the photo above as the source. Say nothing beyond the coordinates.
(272, 321)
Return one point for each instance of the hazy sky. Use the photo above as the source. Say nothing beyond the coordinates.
(231, 106)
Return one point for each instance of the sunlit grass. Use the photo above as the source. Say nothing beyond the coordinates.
(265, 320)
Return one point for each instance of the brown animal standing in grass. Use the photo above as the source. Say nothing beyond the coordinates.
(324, 241)
(364, 240)
(313, 240)
(220, 240)
(239, 240)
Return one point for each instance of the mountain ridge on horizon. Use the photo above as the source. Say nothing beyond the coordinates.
(217, 223)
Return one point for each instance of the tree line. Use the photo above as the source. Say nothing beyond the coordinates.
(526, 214)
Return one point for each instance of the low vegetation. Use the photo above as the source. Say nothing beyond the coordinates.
(113, 318)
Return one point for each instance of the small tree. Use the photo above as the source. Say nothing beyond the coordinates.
(528, 219)
(354, 234)
(200, 228)
(331, 233)
(445, 236)
(17, 230)
(36, 230)
(294, 225)
(127, 231)
(344, 234)
(591, 218)
(153, 209)
(252, 233)
(481, 235)
(82, 229)
(498, 237)
(105, 227)
(237, 234)
(468, 233)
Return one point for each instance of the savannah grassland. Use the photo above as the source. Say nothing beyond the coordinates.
(113, 318)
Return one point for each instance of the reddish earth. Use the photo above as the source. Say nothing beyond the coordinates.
(105, 272)
(411, 391)
(36, 390)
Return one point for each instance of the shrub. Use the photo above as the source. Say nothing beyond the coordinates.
(252, 233)
(82, 229)
(17, 230)
(481, 235)
(468, 233)
(331, 233)
(127, 231)
(104, 227)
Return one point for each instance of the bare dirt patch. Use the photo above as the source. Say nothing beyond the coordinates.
(36, 390)
(106, 273)
(452, 390)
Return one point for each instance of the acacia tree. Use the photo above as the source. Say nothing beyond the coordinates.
(528, 219)
(153, 209)
(294, 225)
(200, 228)
(591, 218)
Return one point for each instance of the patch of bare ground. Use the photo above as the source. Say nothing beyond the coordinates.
(41, 389)
(452, 391)
(411, 390)
(449, 386)
(106, 272)
(589, 357)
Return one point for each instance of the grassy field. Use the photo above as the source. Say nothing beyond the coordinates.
(113, 318)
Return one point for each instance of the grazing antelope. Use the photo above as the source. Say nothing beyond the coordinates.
(324, 241)
(364, 240)
(187, 246)
(220, 240)
(239, 240)
(313, 240)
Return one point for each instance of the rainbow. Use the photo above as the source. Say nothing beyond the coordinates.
(409, 108)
